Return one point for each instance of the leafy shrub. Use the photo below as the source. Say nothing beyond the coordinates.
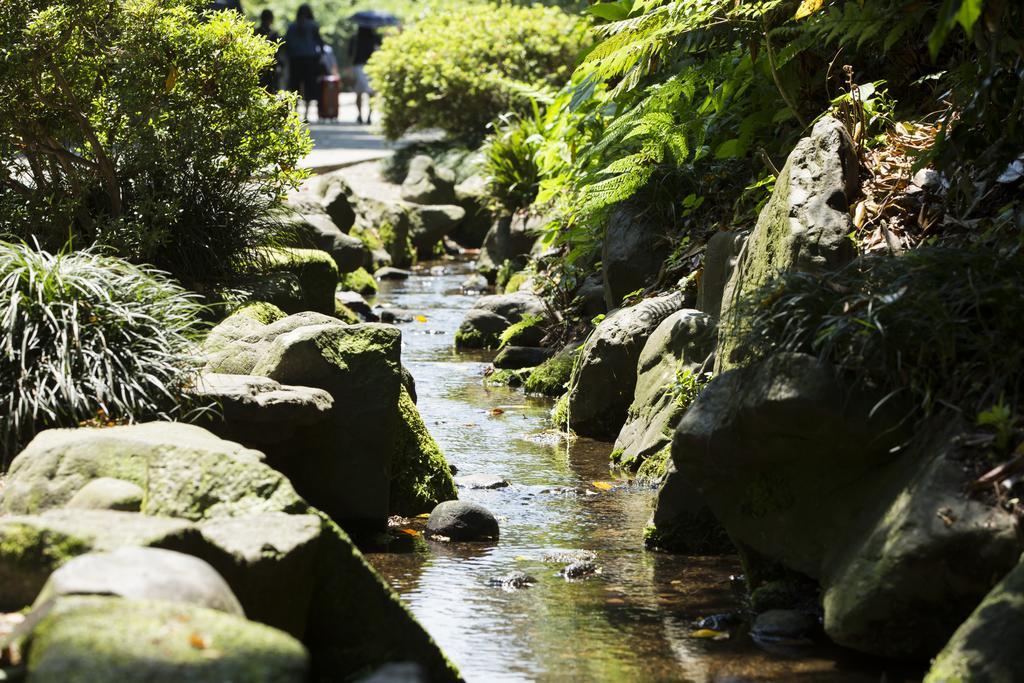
(458, 69)
(141, 125)
(510, 163)
(938, 324)
(86, 336)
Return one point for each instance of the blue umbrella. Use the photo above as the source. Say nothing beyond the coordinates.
(372, 18)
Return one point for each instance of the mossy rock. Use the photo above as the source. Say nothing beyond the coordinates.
(396, 235)
(345, 314)
(97, 639)
(359, 281)
(367, 236)
(317, 273)
(984, 648)
(560, 412)
(655, 468)
(551, 377)
(508, 378)
(33, 546)
(481, 330)
(260, 311)
(185, 471)
(420, 476)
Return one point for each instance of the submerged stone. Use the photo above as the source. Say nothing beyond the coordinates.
(462, 521)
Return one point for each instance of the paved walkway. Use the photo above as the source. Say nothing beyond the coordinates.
(343, 143)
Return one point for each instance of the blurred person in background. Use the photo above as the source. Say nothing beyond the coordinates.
(304, 48)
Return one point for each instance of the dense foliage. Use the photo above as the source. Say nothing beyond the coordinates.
(85, 336)
(871, 317)
(687, 100)
(458, 69)
(140, 124)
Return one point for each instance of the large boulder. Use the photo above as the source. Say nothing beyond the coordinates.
(185, 471)
(471, 195)
(605, 378)
(801, 469)
(425, 183)
(429, 224)
(421, 477)
(259, 410)
(510, 238)
(551, 377)
(513, 307)
(292, 279)
(480, 329)
(33, 546)
(805, 225)
(984, 648)
(88, 639)
(288, 564)
(677, 348)
(342, 461)
(682, 521)
(107, 493)
(318, 231)
(341, 465)
(143, 574)
(723, 252)
(631, 254)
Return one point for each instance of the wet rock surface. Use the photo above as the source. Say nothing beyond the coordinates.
(462, 521)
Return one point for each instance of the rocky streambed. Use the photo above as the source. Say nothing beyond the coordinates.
(632, 615)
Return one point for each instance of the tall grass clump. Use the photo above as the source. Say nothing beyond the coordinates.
(84, 336)
(941, 326)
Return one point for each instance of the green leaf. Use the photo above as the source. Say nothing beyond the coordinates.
(730, 149)
(611, 11)
(967, 16)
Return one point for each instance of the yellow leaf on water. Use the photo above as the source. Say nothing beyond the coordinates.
(425, 515)
(709, 634)
(497, 411)
(421, 318)
(807, 8)
(602, 486)
(409, 532)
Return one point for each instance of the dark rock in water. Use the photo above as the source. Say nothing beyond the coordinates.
(513, 307)
(784, 625)
(358, 305)
(471, 195)
(631, 256)
(474, 284)
(430, 224)
(580, 569)
(516, 357)
(143, 574)
(480, 481)
(393, 316)
(513, 581)
(480, 329)
(391, 273)
(719, 622)
(457, 520)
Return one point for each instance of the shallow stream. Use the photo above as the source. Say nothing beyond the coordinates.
(630, 622)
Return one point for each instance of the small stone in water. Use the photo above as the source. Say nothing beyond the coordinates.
(569, 556)
(513, 581)
(719, 622)
(579, 570)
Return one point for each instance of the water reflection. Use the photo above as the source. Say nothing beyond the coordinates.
(632, 621)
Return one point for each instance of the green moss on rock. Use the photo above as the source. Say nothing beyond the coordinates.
(551, 377)
(420, 476)
(397, 241)
(507, 378)
(653, 468)
(261, 312)
(692, 534)
(345, 314)
(560, 412)
(359, 281)
(93, 639)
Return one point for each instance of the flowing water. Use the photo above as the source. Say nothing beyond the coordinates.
(630, 622)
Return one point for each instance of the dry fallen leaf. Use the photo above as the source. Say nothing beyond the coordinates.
(602, 485)
(421, 318)
(409, 532)
(710, 634)
(497, 411)
(197, 641)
